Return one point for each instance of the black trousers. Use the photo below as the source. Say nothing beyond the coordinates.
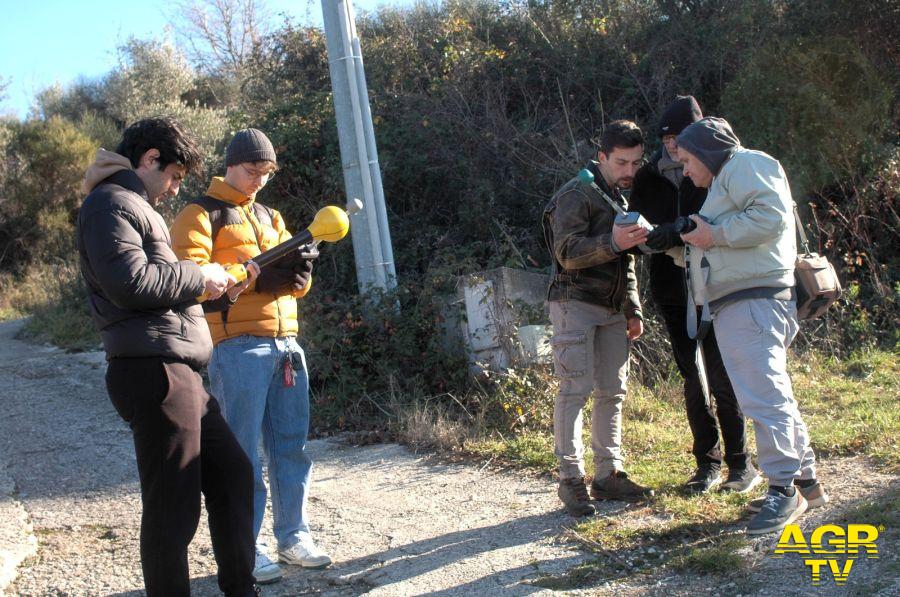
(184, 447)
(702, 418)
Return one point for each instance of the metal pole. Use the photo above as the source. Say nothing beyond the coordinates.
(362, 178)
(362, 154)
(387, 249)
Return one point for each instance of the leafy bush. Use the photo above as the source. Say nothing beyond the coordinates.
(819, 106)
(368, 358)
(44, 164)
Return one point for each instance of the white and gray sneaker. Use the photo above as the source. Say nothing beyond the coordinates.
(265, 570)
(778, 511)
(304, 553)
(814, 495)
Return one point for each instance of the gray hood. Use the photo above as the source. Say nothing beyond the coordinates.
(711, 141)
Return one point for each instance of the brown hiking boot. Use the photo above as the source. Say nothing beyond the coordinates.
(574, 495)
(617, 486)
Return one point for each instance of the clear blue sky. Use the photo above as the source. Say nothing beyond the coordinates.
(43, 42)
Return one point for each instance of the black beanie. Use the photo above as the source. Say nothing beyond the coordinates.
(249, 145)
(678, 115)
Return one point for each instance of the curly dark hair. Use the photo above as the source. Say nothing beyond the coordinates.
(620, 133)
(176, 145)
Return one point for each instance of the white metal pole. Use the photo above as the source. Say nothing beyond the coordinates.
(384, 230)
(362, 155)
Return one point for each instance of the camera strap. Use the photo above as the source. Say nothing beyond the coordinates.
(697, 330)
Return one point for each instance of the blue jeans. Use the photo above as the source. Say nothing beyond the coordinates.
(247, 376)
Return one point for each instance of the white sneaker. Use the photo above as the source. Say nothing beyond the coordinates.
(304, 553)
(265, 570)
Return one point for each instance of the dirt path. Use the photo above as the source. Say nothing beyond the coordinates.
(396, 523)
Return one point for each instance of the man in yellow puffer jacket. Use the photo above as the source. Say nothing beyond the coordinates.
(258, 370)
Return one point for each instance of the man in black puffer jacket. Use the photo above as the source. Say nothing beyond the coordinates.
(144, 304)
(661, 194)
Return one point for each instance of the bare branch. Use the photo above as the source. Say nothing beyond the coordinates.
(221, 36)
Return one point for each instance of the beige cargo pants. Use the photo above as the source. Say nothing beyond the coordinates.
(590, 353)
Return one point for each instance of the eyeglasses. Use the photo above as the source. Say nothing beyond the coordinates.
(268, 175)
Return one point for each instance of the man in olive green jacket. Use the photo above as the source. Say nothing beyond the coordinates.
(595, 311)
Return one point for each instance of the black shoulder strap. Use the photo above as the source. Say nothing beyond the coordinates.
(213, 207)
(265, 215)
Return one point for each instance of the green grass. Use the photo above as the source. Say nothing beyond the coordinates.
(720, 556)
(56, 301)
(532, 450)
(578, 576)
(64, 324)
(881, 511)
(7, 313)
(850, 408)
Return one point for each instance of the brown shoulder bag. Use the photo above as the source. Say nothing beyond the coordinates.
(817, 282)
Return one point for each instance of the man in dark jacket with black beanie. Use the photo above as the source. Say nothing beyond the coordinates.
(144, 303)
(662, 194)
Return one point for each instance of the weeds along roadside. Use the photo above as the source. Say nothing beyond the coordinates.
(384, 366)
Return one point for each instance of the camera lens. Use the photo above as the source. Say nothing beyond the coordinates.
(683, 225)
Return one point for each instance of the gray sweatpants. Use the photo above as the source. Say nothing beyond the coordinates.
(590, 353)
(753, 336)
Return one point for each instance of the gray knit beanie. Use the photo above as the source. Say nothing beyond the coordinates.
(711, 141)
(249, 145)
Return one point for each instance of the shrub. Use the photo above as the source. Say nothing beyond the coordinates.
(45, 162)
(818, 106)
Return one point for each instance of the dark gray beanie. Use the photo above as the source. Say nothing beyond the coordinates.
(249, 145)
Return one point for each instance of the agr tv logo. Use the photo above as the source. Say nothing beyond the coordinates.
(828, 545)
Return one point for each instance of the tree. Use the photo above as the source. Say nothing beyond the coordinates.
(46, 161)
(153, 78)
(222, 38)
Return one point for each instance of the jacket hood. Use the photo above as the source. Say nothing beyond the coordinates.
(106, 163)
(711, 141)
(221, 190)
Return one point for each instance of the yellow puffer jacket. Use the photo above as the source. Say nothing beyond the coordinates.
(242, 229)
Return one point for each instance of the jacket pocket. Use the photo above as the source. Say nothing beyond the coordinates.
(569, 354)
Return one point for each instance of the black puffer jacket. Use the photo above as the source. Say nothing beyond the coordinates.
(577, 225)
(661, 202)
(142, 298)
